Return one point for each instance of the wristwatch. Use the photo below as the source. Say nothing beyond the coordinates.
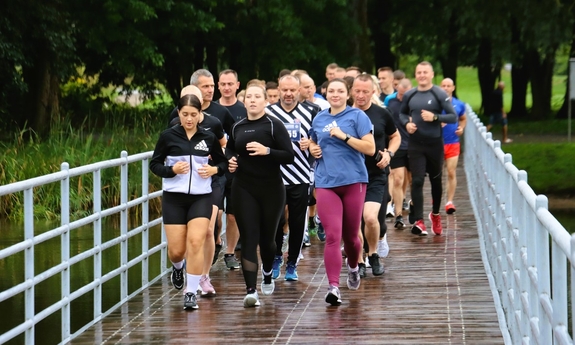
(391, 153)
(435, 117)
(347, 137)
(267, 150)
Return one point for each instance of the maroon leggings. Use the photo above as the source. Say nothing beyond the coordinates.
(340, 210)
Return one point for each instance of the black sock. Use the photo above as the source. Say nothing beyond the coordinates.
(267, 279)
(251, 290)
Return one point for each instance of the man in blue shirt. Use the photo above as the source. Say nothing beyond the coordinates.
(451, 134)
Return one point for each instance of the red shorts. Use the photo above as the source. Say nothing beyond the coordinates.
(451, 150)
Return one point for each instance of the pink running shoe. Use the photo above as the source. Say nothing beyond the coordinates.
(449, 208)
(419, 228)
(435, 223)
(206, 286)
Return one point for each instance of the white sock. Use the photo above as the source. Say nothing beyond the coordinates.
(193, 281)
(178, 265)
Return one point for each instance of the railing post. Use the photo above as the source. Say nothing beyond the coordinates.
(572, 267)
(97, 195)
(65, 250)
(124, 227)
(29, 262)
(544, 278)
(145, 220)
(559, 277)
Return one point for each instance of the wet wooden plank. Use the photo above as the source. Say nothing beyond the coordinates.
(434, 291)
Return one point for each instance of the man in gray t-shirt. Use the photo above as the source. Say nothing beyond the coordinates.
(421, 114)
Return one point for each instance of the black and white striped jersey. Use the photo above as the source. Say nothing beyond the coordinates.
(300, 171)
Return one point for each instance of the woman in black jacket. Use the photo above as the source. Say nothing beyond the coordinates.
(181, 159)
(257, 146)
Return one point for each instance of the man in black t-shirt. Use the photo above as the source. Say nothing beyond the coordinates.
(204, 80)
(384, 131)
(228, 85)
(497, 113)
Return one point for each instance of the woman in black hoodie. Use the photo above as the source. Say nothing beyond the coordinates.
(181, 158)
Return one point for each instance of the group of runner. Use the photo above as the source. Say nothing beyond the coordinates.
(266, 163)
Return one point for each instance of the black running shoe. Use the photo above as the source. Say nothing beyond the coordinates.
(217, 253)
(411, 216)
(190, 301)
(362, 270)
(178, 277)
(399, 224)
(333, 296)
(376, 266)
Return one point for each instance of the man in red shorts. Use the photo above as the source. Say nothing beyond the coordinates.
(451, 146)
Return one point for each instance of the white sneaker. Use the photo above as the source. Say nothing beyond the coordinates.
(267, 289)
(383, 247)
(251, 300)
(390, 213)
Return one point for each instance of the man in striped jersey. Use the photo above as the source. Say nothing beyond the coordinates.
(296, 176)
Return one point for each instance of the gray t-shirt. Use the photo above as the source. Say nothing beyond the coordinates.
(434, 100)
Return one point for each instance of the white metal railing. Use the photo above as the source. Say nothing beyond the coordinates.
(31, 278)
(526, 251)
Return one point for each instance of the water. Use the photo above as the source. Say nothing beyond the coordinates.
(47, 255)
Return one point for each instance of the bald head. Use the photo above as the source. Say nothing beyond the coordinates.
(192, 90)
(403, 86)
(307, 87)
(448, 86)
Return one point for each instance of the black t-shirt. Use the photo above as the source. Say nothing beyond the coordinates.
(221, 113)
(213, 125)
(496, 103)
(383, 127)
(394, 106)
(238, 110)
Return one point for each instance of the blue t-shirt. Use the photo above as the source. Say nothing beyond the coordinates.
(340, 164)
(388, 98)
(449, 136)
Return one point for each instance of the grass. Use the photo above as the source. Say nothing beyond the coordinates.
(550, 167)
(468, 90)
(25, 156)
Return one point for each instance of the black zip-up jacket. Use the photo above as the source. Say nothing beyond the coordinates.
(174, 146)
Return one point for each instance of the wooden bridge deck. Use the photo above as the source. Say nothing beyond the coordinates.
(434, 291)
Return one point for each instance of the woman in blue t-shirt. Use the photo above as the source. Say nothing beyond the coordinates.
(340, 136)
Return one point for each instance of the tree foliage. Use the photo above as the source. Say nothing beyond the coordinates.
(141, 44)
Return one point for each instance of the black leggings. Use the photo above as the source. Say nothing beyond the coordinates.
(425, 158)
(258, 210)
(297, 201)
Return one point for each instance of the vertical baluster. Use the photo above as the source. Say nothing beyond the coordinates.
(97, 200)
(29, 263)
(65, 250)
(145, 220)
(124, 227)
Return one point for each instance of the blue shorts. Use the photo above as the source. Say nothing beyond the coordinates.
(498, 118)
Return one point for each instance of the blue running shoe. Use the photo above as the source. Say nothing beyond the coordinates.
(276, 273)
(291, 272)
(320, 232)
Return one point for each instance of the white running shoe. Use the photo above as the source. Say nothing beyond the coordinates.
(383, 247)
(390, 213)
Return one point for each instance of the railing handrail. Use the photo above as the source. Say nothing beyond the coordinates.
(27, 246)
(528, 273)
